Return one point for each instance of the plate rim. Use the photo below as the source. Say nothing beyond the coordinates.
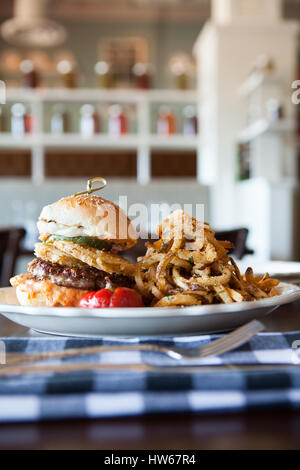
(151, 312)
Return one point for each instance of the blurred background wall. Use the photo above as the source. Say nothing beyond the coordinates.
(172, 100)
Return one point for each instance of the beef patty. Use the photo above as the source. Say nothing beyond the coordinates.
(79, 278)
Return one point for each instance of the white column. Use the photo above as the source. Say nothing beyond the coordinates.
(38, 149)
(37, 164)
(234, 11)
(144, 150)
(225, 55)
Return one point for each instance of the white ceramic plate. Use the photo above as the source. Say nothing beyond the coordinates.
(141, 321)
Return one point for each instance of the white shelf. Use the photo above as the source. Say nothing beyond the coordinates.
(143, 142)
(261, 126)
(7, 141)
(95, 142)
(88, 94)
(174, 142)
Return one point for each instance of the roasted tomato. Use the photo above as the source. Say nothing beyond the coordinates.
(105, 298)
(125, 297)
(99, 299)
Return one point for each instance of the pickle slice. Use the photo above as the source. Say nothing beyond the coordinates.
(92, 242)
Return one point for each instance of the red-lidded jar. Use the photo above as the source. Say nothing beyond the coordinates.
(30, 77)
(142, 76)
(117, 122)
(166, 122)
(89, 121)
(190, 121)
(21, 120)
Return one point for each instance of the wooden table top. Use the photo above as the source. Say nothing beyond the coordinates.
(255, 430)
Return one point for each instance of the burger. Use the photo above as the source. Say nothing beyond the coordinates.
(81, 237)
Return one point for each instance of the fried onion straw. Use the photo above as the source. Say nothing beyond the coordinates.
(188, 266)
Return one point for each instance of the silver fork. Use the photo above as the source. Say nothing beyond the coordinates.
(219, 346)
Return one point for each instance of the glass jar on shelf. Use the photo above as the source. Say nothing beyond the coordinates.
(104, 75)
(141, 73)
(67, 73)
(190, 121)
(166, 121)
(28, 122)
(117, 121)
(30, 77)
(180, 76)
(59, 120)
(21, 120)
(89, 121)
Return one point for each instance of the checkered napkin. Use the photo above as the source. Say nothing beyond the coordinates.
(112, 393)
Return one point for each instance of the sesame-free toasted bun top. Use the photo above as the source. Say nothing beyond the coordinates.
(88, 216)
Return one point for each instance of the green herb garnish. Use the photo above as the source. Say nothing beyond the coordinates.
(191, 259)
(221, 292)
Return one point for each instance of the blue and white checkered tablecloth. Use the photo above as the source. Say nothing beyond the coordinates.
(124, 392)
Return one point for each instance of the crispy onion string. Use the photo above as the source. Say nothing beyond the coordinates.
(191, 268)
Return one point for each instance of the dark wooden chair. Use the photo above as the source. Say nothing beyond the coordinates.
(237, 236)
(10, 240)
